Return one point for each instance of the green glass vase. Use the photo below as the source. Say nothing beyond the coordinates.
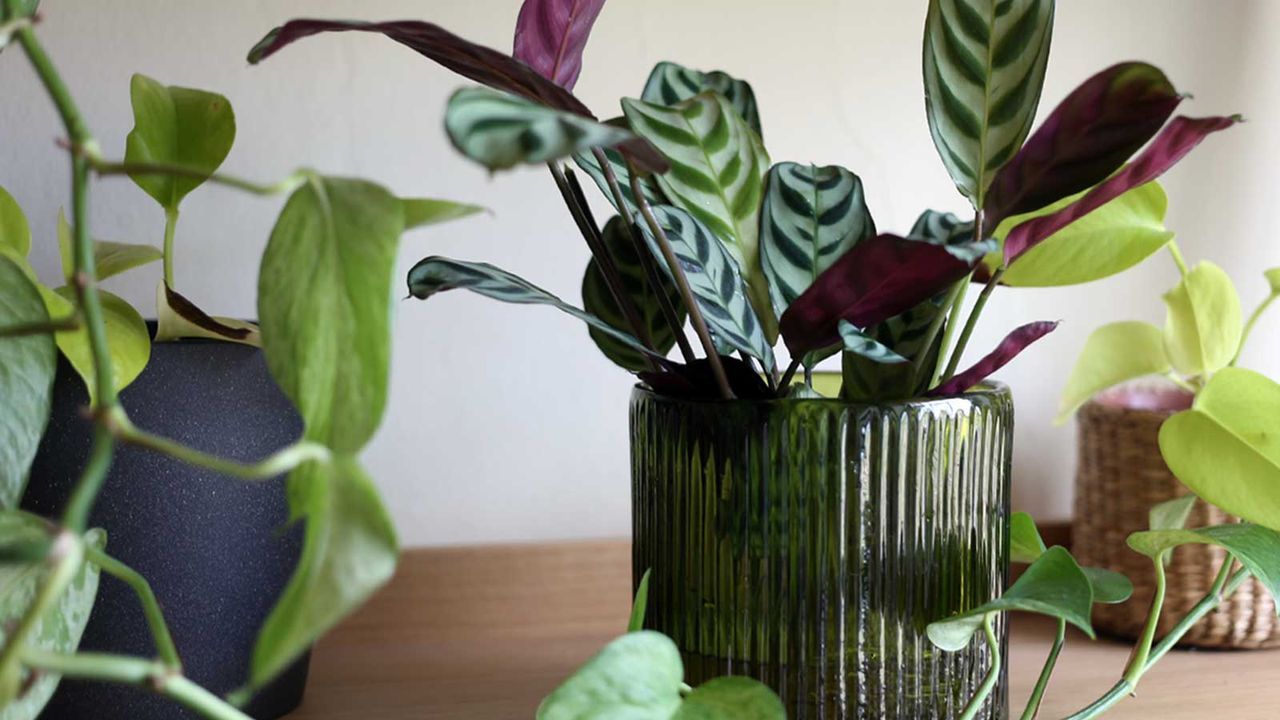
(809, 542)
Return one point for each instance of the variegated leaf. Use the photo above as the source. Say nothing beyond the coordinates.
(942, 228)
(984, 63)
(868, 381)
(670, 83)
(652, 193)
(599, 301)
(436, 274)
(499, 130)
(715, 280)
(811, 216)
(861, 344)
(717, 172)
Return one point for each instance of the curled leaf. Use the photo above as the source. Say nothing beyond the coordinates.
(1007, 350)
(671, 84)
(177, 317)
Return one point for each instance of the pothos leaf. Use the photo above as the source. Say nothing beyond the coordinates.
(599, 301)
(109, 258)
(811, 216)
(714, 279)
(1204, 322)
(1007, 350)
(984, 64)
(636, 676)
(421, 212)
(27, 366)
(1273, 279)
(863, 345)
(1113, 354)
(671, 84)
(128, 340)
(1256, 547)
(15, 234)
(1025, 544)
(551, 35)
(436, 274)
(1172, 514)
(718, 167)
(641, 602)
(500, 131)
(731, 698)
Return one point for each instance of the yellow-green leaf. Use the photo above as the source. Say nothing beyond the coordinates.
(1113, 354)
(109, 258)
(128, 341)
(1273, 279)
(15, 234)
(1204, 321)
(421, 212)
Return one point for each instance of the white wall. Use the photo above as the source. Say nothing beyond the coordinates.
(505, 423)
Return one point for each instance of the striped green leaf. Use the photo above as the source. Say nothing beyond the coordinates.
(811, 216)
(868, 380)
(863, 345)
(717, 175)
(670, 84)
(436, 274)
(501, 131)
(715, 280)
(984, 63)
(652, 193)
(598, 300)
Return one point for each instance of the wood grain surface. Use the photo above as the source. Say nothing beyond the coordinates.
(482, 633)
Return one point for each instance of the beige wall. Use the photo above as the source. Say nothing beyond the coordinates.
(505, 423)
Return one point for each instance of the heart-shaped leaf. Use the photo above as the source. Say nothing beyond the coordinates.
(128, 340)
(635, 677)
(1226, 448)
(109, 258)
(641, 602)
(438, 274)
(1009, 348)
(715, 280)
(861, 344)
(671, 84)
(1107, 241)
(1025, 544)
(177, 126)
(1171, 514)
(1086, 138)
(1113, 354)
(551, 35)
(731, 698)
(984, 63)
(648, 185)
(500, 130)
(1053, 585)
(177, 318)
(1109, 587)
(324, 303)
(15, 234)
(811, 216)
(718, 166)
(27, 366)
(598, 300)
(1256, 547)
(1173, 143)
(879, 278)
(1204, 323)
(421, 212)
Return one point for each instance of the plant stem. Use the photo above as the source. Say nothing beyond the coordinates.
(971, 323)
(1178, 260)
(682, 284)
(170, 228)
(135, 671)
(949, 311)
(608, 268)
(1141, 651)
(165, 648)
(105, 167)
(1037, 694)
(785, 382)
(1253, 320)
(993, 673)
(277, 463)
(646, 258)
(43, 327)
(935, 326)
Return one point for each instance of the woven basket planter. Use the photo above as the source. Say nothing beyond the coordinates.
(1119, 477)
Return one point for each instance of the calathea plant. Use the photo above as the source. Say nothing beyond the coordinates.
(325, 333)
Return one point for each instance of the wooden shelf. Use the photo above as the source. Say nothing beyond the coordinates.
(483, 633)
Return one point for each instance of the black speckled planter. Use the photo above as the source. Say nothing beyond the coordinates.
(214, 548)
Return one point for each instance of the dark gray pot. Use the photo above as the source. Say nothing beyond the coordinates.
(215, 549)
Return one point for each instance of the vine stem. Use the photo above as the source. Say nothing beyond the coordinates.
(948, 334)
(993, 673)
(1142, 651)
(170, 228)
(1253, 321)
(935, 326)
(103, 167)
(1037, 693)
(682, 283)
(1178, 260)
(165, 648)
(972, 323)
(43, 327)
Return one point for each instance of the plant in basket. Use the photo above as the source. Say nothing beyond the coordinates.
(809, 539)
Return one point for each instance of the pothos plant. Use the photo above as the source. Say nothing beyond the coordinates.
(324, 307)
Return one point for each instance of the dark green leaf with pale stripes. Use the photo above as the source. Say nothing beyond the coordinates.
(670, 83)
(716, 283)
(941, 227)
(717, 175)
(863, 345)
(867, 380)
(652, 193)
(811, 216)
(599, 301)
(984, 64)
(500, 131)
(437, 274)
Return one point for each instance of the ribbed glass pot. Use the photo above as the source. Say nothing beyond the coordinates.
(808, 543)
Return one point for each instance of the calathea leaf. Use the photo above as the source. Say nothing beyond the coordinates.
(551, 35)
(1173, 143)
(128, 340)
(1007, 350)
(597, 300)
(717, 176)
(811, 216)
(1256, 547)
(109, 258)
(941, 228)
(715, 280)
(1204, 322)
(671, 84)
(863, 345)
(1085, 139)
(984, 63)
(500, 130)
(27, 366)
(436, 274)
(1113, 354)
(1226, 448)
(177, 317)
(648, 186)
(177, 126)
(879, 278)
